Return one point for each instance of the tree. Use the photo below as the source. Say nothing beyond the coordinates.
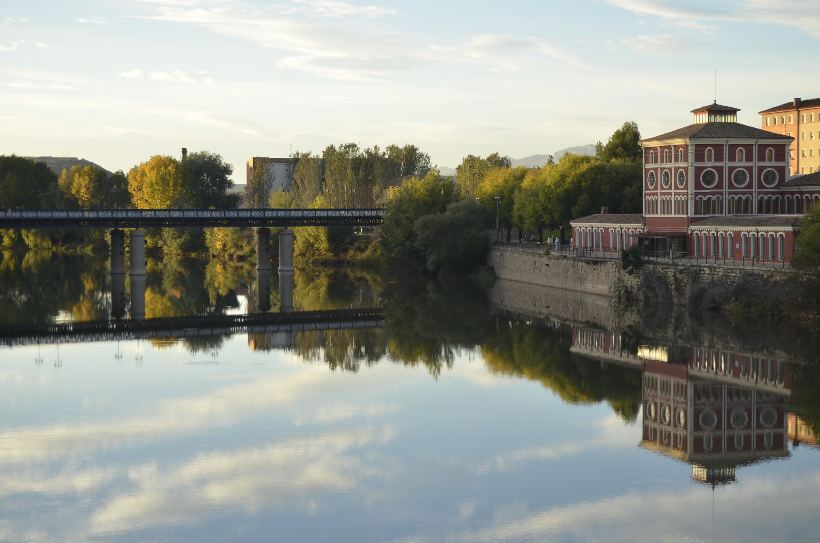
(25, 184)
(624, 144)
(407, 160)
(157, 184)
(311, 242)
(307, 179)
(473, 169)
(455, 240)
(206, 181)
(807, 255)
(412, 200)
(504, 183)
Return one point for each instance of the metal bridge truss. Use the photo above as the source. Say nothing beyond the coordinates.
(191, 327)
(154, 218)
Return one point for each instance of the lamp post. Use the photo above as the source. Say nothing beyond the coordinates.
(497, 205)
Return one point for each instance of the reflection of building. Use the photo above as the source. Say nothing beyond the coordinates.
(713, 189)
(713, 409)
(711, 425)
(799, 119)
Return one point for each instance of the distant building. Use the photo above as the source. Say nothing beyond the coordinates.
(278, 172)
(715, 189)
(799, 119)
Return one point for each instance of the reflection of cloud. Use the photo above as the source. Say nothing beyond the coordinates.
(66, 482)
(611, 432)
(171, 418)
(295, 472)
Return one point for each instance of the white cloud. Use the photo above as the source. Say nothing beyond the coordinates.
(656, 44)
(10, 46)
(502, 53)
(94, 20)
(170, 76)
(329, 8)
(802, 14)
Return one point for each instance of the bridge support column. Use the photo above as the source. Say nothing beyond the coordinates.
(263, 256)
(263, 290)
(138, 274)
(286, 251)
(137, 252)
(117, 252)
(118, 298)
(285, 292)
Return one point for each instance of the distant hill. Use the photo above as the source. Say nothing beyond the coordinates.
(532, 161)
(446, 171)
(588, 150)
(59, 163)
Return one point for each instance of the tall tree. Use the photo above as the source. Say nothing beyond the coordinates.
(157, 183)
(473, 169)
(307, 179)
(206, 179)
(624, 144)
(25, 184)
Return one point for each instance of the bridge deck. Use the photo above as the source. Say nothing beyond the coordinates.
(187, 327)
(154, 218)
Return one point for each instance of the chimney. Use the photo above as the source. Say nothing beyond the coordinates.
(796, 102)
(604, 210)
(184, 153)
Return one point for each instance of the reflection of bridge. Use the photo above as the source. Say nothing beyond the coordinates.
(155, 218)
(192, 327)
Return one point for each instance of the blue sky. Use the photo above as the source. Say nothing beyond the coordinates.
(116, 81)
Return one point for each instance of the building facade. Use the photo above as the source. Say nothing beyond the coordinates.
(714, 189)
(799, 119)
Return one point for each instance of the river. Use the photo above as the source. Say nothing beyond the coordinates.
(451, 413)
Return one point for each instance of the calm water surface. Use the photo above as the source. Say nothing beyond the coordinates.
(457, 419)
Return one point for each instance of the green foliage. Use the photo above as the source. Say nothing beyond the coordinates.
(807, 256)
(25, 184)
(311, 242)
(505, 183)
(455, 240)
(157, 184)
(631, 258)
(229, 243)
(407, 161)
(206, 181)
(624, 144)
(307, 179)
(473, 169)
(90, 187)
(411, 201)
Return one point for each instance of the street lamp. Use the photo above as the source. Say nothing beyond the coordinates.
(497, 204)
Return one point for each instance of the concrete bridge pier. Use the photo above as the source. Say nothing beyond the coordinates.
(118, 298)
(117, 252)
(286, 291)
(263, 290)
(263, 256)
(286, 250)
(138, 274)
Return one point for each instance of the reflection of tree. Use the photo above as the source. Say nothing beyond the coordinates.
(427, 322)
(39, 285)
(805, 385)
(542, 353)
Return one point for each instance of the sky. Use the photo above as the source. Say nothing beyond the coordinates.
(117, 81)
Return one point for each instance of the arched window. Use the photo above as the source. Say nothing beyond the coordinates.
(740, 155)
(744, 245)
(730, 245)
(778, 204)
(709, 155)
(771, 247)
(680, 155)
(761, 246)
(651, 157)
(721, 244)
(769, 155)
(695, 244)
(781, 246)
(666, 156)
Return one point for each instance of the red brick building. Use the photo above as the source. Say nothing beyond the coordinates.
(713, 189)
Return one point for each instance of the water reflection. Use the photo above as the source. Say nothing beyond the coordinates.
(558, 424)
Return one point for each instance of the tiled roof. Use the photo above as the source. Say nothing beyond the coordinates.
(749, 221)
(716, 108)
(808, 180)
(611, 218)
(719, 130)
(813, 102)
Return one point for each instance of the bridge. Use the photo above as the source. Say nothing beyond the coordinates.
(191, 327)
(138, 219)
(186, 218)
